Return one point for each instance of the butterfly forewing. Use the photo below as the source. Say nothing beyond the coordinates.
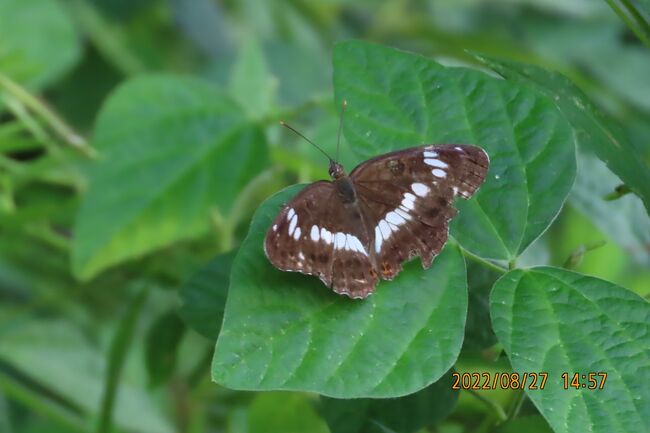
(359, 228)
(316, 233)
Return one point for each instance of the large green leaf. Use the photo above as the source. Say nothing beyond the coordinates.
(171, 149)
(38, 43)
(288, 331)
(396, 100)
(400, 415)
(555, 321)
(594, 131)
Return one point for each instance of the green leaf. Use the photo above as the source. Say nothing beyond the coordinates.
(38, 43)
(283, 412)
(624, 220)
(555, 321)
(251, 82)
(288, 331)
(401, 415)
(171, 149)
(397, 99)
(593, 130)
(162, 342)
(203, 297)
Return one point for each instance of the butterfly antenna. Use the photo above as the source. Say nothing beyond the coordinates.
(289, 127)
(338, 138)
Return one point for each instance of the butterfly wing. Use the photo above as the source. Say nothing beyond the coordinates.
(316, 233)
(407, 198)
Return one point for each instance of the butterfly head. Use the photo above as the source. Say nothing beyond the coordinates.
(336, 170)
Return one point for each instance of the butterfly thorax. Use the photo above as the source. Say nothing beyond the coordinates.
(342, 182)
(346, 190)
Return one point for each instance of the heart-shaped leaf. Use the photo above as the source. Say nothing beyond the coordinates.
(396, 100)
(555, 321)
(288, 331)
(171, 149)
(38, 43)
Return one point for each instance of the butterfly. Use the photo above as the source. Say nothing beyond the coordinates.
(357, 229)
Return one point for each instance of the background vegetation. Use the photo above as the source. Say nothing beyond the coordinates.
(138, 138)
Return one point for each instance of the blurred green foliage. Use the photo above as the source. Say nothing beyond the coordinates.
(137, 138)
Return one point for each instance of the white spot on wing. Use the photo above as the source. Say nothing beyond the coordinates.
(395, 219)
(315, 234)
(385, 229)
(301, 256)
(339, 241)
(275, 227)
(326, 235)
(292, 223)
(296, 234)
(356, 245)
(430, 154)
(435, 163)
(378, 239)
(401, 212)
(408, 201)
(420, 189)
(439, 173)
(290, 214)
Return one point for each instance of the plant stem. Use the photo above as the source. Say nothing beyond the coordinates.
(47, 115)
(117, 355)
(109, 39)
(516, 404)
(498, 410)
(635, 21)
(482, 261)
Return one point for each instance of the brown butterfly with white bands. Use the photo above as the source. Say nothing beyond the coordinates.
(356, 229)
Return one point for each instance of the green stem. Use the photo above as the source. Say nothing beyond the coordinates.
(482, 261)
(47, 115)
(498, 410)
(628, 12)
(108, 38)
(516, 405)
(22, 115)
(117, 356)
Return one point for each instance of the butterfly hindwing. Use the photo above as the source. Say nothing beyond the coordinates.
(317, 234)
